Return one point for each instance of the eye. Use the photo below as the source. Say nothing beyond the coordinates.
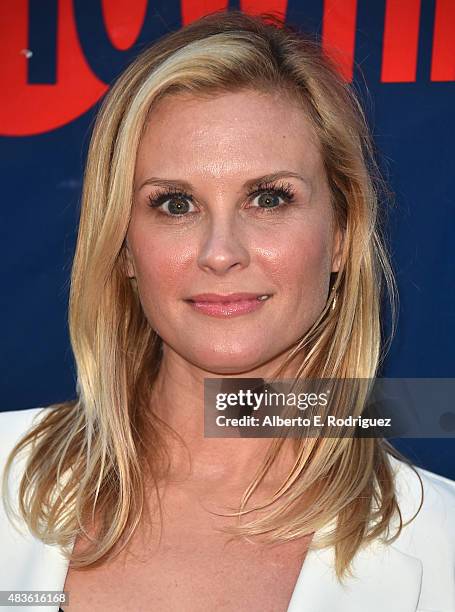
(172, 202)
(268, 200)
(177, 204)
(271, 197)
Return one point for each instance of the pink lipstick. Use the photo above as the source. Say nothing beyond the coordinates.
(227, 305)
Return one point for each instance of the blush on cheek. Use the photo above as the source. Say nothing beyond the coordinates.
(305, 270)
(320, 255)
(300, 253)
(159, 280)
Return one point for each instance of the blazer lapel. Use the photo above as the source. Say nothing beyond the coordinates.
(27, 563)
(384, 578)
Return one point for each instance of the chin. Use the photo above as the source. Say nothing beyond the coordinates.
(228, 362)
(225, 369)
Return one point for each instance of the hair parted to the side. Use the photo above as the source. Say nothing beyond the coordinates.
(87, 456)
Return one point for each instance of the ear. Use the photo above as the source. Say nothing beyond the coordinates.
(337, 248)
(130, 271)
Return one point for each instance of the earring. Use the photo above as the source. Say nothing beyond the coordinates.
(333, 277)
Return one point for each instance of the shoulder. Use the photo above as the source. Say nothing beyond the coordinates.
(14, 425)
(429, 495)
(26, 562)
(429, 500)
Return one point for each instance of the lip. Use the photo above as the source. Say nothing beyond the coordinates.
(219, 298)
(227, 306)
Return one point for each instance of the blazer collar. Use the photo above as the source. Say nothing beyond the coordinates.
(384, 578)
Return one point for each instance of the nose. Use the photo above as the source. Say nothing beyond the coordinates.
(223, 248)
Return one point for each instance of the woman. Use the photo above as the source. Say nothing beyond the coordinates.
(229, 159)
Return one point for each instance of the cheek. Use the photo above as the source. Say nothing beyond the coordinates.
(158, 269)
(157, 277)
(160, 265)
(300, 262)
(296, 260)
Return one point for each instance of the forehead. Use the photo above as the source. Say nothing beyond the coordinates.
(228, 134)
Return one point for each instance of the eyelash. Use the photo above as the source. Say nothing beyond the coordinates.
(283, 190)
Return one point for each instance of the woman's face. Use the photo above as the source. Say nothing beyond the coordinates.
(240, 204)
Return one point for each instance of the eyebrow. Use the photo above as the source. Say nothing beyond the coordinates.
(250, 184)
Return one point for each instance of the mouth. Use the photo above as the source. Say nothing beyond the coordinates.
(218, 298)
(231, 305)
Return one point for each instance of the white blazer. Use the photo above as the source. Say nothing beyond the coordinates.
(415, 573)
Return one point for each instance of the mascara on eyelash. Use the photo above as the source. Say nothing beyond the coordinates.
(164, 195)
(284, 190)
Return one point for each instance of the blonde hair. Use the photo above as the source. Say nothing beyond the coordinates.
(87, 455)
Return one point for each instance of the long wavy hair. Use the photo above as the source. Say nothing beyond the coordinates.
(87, 456)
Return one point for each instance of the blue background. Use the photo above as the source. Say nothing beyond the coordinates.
(413, 126)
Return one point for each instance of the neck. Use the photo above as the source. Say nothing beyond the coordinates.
(178, 399)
